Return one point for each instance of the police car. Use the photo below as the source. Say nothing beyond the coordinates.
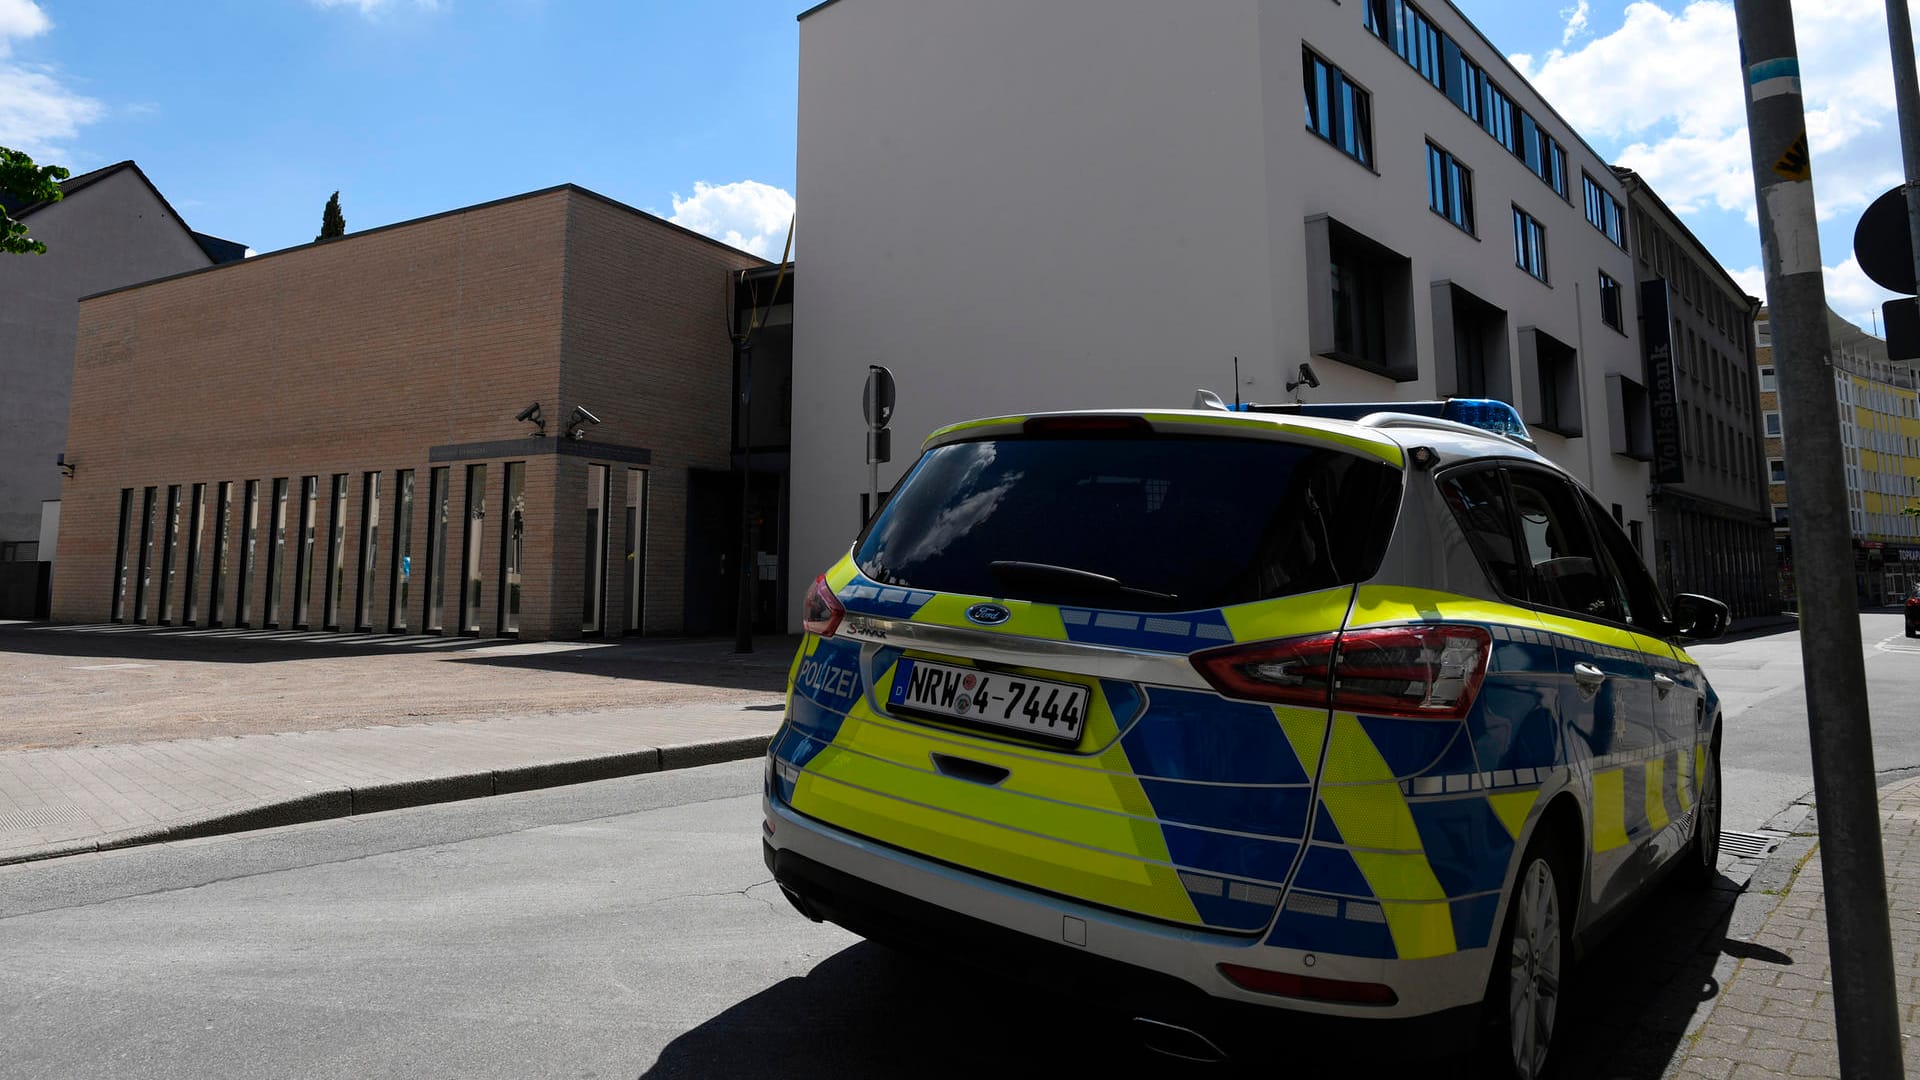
(1351, 712)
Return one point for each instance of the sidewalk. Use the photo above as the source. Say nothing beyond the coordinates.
(1773, 1014)
(61, 800)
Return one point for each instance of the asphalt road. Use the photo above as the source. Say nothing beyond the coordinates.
(619, 929)
(1767, 755)
(628, 928)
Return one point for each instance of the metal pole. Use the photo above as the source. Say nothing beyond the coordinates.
(743, 608)
(1866, 1010)
(1906, 98)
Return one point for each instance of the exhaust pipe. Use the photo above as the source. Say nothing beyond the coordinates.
(800, 903)
(1176, 1041)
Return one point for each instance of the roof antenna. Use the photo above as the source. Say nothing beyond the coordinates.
(1236, 384)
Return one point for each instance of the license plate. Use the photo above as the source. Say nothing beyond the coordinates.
(1050, 710)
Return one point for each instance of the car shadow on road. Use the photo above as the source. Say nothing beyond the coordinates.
(872, 1011)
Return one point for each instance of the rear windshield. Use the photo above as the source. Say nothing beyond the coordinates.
(1161, 523)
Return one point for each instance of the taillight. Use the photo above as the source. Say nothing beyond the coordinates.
(821, 612)
(1426, 671)
(1262, 981)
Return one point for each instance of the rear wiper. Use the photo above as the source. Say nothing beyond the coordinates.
(1044, 575)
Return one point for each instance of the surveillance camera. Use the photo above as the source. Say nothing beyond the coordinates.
(580, 413)
(530, 413)
(1307, 376)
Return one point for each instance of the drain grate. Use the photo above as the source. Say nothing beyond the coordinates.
(37, 817)
(1744, 845)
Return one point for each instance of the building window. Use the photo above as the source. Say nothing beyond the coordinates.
(1470, 346)
(1610, 303)
(169, 547)
(303, 558)
(1768, 382)
(593, 599)
(119, 606)
(398, 596)
(1603, 211)
(636, 550)
(249, 536)
(217, 579)
(196, 524)
(471, 575)
(1337, 110)
(1466, 82)
(335, 584)
(1773, 423)
(143, 576)
(513, 525)
(1529, 244)
(1550, 383)
(1420, 44)
(437, 484)
(369, 550)
(1497, 117)
(276, 550)
(1779, 515)
(1449, 188)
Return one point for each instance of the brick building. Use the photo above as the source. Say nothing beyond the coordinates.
(265, 444)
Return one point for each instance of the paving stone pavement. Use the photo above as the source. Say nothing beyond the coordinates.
(63, 801)
(1773, 1016)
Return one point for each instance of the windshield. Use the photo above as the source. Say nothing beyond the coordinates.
(1140, 523)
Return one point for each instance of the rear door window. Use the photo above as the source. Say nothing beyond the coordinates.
(1565, 568)
(1160, 523)
(1479, 502)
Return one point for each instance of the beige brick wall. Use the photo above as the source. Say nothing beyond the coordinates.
(646, 349)
(361, 354)
(352, 356)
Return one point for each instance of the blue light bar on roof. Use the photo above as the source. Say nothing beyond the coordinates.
(1486, 414)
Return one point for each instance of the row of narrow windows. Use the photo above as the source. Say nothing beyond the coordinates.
(196, 556)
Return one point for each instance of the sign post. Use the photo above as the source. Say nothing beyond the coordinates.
(876, 404)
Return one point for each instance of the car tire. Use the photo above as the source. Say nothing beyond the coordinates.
(1701, 866)
(1531, 966)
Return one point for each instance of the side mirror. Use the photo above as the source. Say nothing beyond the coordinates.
(1699, 618)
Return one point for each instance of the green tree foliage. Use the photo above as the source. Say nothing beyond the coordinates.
(332, 222)
(24, 183)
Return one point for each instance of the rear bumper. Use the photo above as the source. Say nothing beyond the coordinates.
(1140, 967)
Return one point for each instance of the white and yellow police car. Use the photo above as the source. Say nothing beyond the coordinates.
(1364, 712)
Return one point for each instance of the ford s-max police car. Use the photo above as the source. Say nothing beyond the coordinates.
(1355, 711)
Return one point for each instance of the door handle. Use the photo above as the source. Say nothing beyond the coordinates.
(1663, 683)
(1588, 676)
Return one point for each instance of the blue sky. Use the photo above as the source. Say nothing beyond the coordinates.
(248, 113)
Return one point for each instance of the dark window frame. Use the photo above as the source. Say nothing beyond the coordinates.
(1612, 303)
(1450, 188)
(1530, 245)
(1339, 111)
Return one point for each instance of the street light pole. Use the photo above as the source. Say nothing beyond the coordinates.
(1865, 1006)
(1906, 98)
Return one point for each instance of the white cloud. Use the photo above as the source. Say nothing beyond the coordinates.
(1576, 17)
(1667, 88)
(375, 7)
(746, 214)
(37, 113)
(1849, 293)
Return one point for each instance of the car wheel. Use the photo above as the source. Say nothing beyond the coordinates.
(1702, 867)
(1530, 968)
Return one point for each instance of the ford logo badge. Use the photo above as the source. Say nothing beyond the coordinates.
(988, 614)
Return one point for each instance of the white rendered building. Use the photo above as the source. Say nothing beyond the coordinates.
(1020, 207)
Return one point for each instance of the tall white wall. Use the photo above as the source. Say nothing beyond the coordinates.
(112, 232)
(1094, 203)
